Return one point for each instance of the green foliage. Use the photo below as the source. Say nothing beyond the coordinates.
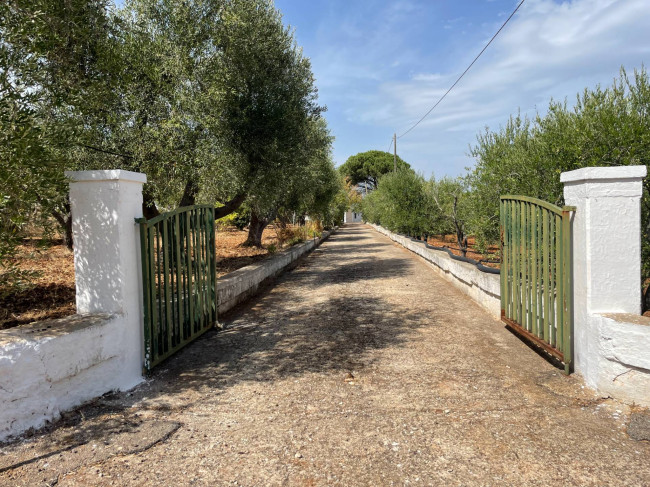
(47, 52)
(212, 99)
(296, 239)
(450, 200)
(238, 219)
(400, 203)
(367, 167)
(606, 127)
(241, 218)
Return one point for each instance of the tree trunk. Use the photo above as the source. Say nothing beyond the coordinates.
(461, 239)
(230, 206)
(68, 232)
(255, 230)
(149, 208)
(64, 219)
(189, 194)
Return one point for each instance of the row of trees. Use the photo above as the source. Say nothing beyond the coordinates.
(405, 202)
(606, 127)
(212, 99)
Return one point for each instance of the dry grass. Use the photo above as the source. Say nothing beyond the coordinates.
(52, 293)
(232, 256)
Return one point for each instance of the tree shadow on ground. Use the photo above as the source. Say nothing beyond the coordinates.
(332, 336)
(271, 341)
(346, 273)
(278, 335)
(342, 250)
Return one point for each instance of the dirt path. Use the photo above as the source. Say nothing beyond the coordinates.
(441, 394)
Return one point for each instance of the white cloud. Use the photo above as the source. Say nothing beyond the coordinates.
(547, 50)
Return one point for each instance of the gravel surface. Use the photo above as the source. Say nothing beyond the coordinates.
(361, 367)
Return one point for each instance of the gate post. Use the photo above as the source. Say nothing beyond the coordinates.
(606, 255)
(107, 254)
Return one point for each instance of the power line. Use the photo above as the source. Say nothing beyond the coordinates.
(466, 70)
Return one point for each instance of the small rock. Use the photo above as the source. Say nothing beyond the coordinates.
(639, 427)
(298, 455)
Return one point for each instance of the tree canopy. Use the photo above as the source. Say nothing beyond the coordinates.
(212, 99)
(605, 127)
(367, 167)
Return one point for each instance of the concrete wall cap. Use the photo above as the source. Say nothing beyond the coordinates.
(604, 173)
(107, 175)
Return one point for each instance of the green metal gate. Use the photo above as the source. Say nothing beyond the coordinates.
(179, 279)
(536, 285)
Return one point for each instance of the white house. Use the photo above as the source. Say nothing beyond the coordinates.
(351, 217)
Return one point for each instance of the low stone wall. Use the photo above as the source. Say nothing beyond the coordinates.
(243, 283)
(50, 366)
(482, 287)
(619, 357)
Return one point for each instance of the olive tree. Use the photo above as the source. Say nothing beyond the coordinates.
(450, 200)
(400, 203)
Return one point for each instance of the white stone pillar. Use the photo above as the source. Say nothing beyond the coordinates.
(606, 251)
(104, 205)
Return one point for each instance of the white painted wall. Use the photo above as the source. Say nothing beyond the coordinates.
(51, 366)
(352, 217)
(104, 206)
(611, 349)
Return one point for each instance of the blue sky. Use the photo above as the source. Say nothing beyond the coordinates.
(380, 65)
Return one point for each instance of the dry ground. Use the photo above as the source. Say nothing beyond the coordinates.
(52, 292)
(361, 367)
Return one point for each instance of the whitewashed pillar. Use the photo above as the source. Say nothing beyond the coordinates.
(606, 250)
(104, 205)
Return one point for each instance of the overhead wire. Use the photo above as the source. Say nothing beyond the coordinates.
(464, 72)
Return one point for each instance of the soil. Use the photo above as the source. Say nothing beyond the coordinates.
(51, 294)
(360, 367)
(232, 256)
(489, 258)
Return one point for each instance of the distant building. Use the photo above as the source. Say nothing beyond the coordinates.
(351, 217)
(355, 216)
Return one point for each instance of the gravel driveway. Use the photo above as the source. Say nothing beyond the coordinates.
(361, 367)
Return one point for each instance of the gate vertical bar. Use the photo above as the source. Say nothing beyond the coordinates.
(504, 257)
(522, 260)
(160, 348)
(146, 287)
(213, 266)
(515, 251)
(545, 267)
(551, 278)
(179, 288)
(168, 318)
(560, 282)
(533, 265)
(568, 290)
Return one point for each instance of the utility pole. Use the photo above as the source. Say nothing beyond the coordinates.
(394, 152)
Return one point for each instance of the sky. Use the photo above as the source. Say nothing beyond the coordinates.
(380, 65)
